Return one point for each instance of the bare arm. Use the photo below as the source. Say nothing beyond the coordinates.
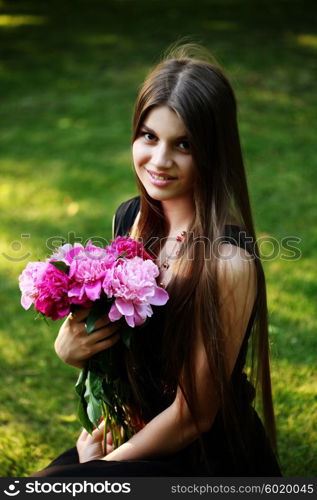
(173, 429)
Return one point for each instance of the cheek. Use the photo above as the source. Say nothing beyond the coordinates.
(134, 153)
(190, 171)
(139, 153)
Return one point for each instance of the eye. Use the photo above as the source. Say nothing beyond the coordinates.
(147, 135)
(184, 145)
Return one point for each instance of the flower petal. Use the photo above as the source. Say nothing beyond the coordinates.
(130, 320)
(26, 301)
(124, 306)
(114, 313)
(93, 290)
(160, 297)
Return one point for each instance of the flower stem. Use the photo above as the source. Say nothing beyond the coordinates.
(113, 434)
(106, 417)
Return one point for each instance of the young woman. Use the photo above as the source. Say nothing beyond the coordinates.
(190, 397)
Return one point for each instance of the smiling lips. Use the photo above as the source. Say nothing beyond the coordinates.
(160, 177)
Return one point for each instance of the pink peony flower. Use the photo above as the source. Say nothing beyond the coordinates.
(133, 284)
(66, 253)
(28, 280)
(127, 247)
(122, 270)
(52, 299)
(88, 267)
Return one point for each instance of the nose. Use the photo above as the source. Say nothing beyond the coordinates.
(161, 157)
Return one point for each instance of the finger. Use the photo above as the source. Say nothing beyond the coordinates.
(110, 448)
(79, 315)
(105, 344)
(80, 332)
(101, 424)
(109, 438)
(97, 432)
(103, 333)
(105, 325)
(105, 322)
(97, 436)
(83, 435)
(79, 318)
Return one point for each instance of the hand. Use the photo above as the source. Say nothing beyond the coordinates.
(91, 447)
(74, 346)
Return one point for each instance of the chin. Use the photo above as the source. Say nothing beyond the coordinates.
(156, 195)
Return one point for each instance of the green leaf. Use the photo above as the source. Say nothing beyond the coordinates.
(93, 397)
(94, 382)
(80, 388)
(83, 417)
(94, 411)
(122, 255)
(80, 384)
(98, 310)
(107, 395)
(41, 316)
(61, 266)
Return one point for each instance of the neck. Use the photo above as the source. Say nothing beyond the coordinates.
(178, 213)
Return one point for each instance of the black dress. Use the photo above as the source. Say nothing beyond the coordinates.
(220, 459)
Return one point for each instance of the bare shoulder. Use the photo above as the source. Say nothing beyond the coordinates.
(235, 264)
(237, 285)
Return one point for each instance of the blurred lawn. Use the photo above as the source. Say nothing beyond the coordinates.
(69, 76)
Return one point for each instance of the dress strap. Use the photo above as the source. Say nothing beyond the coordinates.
(238, 236)
(125, 216)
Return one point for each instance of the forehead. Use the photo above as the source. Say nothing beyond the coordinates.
(165, 122)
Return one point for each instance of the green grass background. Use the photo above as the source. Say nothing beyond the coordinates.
(69, 76)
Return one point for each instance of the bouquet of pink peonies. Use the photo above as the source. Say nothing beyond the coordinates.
(118, 280)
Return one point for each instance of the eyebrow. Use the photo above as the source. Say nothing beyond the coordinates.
(148, 129)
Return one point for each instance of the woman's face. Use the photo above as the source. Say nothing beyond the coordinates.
(162, 156)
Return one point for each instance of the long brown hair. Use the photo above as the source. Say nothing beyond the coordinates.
(197, 90)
